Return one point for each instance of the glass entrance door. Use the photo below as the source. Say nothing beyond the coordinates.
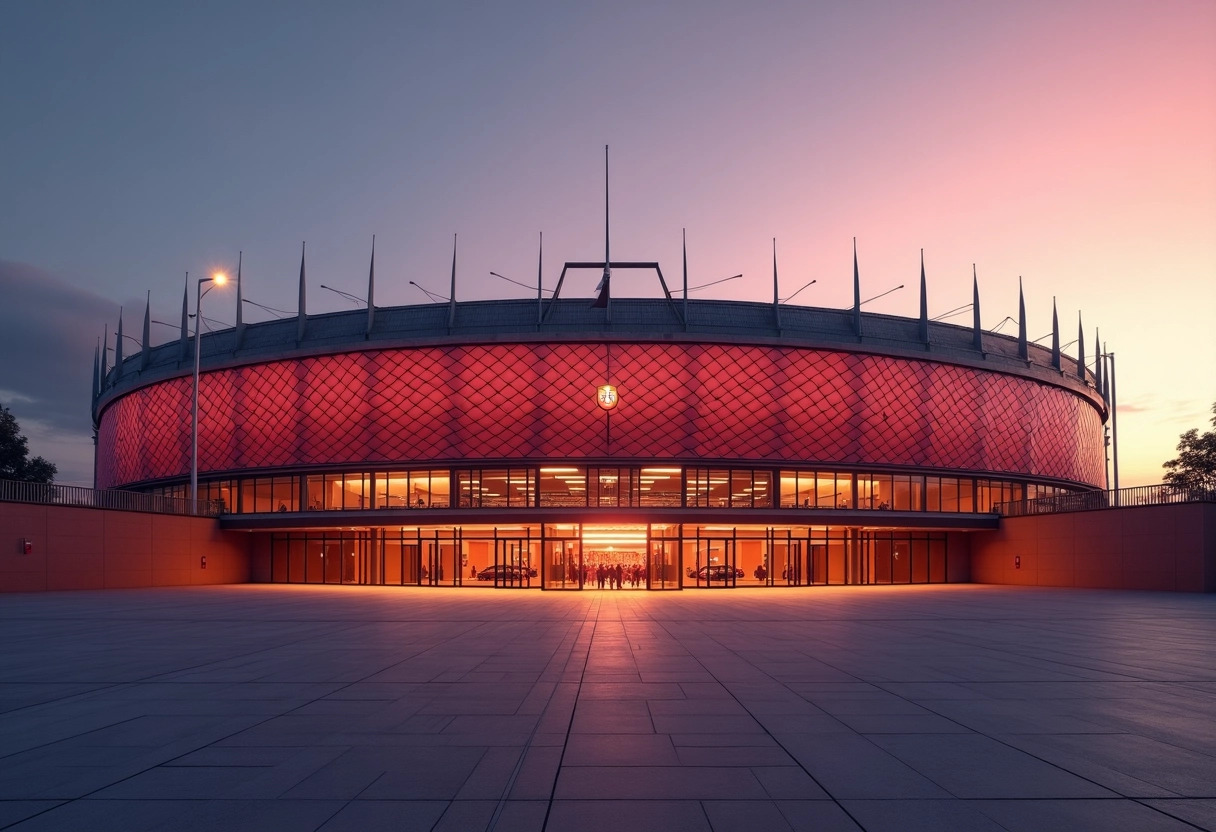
(513, 563)
(563, 564)
(663, 564)
(710, 563)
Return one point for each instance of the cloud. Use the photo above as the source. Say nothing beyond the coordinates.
(48, 335)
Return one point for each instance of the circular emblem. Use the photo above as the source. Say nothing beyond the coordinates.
(606, 397)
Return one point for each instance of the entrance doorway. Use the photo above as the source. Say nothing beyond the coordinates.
(711, 562)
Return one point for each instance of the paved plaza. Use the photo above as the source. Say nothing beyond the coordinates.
(355, 708)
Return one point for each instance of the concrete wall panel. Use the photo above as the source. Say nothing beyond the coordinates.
(1167, 547)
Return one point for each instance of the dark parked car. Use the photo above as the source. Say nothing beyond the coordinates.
(717, 572)
(505, 572)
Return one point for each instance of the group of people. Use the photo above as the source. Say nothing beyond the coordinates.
(608, 576)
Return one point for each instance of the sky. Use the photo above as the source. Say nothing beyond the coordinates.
(1068, 144)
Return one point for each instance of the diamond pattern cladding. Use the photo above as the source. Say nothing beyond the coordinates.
(536, 401)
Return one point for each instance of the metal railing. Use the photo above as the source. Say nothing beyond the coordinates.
(14, 491)
(1142, 495)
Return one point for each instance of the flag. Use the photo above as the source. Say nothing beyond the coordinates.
(601, 300)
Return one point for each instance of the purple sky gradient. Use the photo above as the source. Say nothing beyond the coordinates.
(1071, 143)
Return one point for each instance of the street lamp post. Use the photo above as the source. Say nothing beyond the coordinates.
(219, 279)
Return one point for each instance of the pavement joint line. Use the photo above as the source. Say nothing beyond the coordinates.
(593, 625)
(571, 637)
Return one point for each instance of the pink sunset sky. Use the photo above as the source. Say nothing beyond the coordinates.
(1072, 144)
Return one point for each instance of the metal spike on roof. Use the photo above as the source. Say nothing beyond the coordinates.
(776, 296)
(371, 291)
(185, 339)
(145, 355)
(924, 302)
(240, 302)
(977, 337)
(856, 294)
(1023, 344)
(118, 343)
(1080, 348)
(302, 316)
(1055, 336)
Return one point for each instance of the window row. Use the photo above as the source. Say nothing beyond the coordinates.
(613, 487)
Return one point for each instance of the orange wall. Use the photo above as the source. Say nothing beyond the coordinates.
(1169, 547)
(87, 548)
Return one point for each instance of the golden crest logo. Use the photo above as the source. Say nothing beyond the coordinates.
(606, 396)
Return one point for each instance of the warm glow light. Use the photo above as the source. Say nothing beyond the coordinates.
(220, 278)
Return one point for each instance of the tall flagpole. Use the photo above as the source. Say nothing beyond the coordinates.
(607, 257)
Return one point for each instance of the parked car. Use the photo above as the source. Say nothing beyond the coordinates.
(717, 572)
(506, 572)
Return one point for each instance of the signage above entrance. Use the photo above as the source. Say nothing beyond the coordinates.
(607, 397)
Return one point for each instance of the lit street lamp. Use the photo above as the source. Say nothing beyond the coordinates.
(219, 279)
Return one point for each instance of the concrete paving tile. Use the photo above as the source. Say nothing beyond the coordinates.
(521, 816)
(706, 723)
(620, 750)
(817, 723)
(641, 690)
(184, 815)
(1200, 812)
(683, 707)
(12, 811)
(788, 782)
(634, 815)
(1070, 815)
(438, 774)
(973, 766)
(901, 724)
(849, 766)
(745, 816)
(732, 756)
(538, 774)
(363, 815)
(491, 778)
(603, 717)
(723, 740)
(1130, 765)
(656, 783)
(816, 816)
(921, 816)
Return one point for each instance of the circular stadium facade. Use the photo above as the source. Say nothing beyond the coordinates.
(667, 443)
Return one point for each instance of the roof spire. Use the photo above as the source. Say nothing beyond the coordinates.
(540, 263)
(977, 338)
(240, 302)
(856, 294)
(1055, 335)
(185, 339)
(118, 344)
(776, 298)
(452, 291)
(302, 315)
(1023, 345)
(145, 354)
(105, 346)
(97, 369)
(1080, 348)
(924, 302)
(684, 248)
(371, 291)
(1098, 362)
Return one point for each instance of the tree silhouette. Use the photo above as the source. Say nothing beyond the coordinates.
(15, 463)
(1195, 466)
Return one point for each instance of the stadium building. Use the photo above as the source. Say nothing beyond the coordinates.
(550, 443)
